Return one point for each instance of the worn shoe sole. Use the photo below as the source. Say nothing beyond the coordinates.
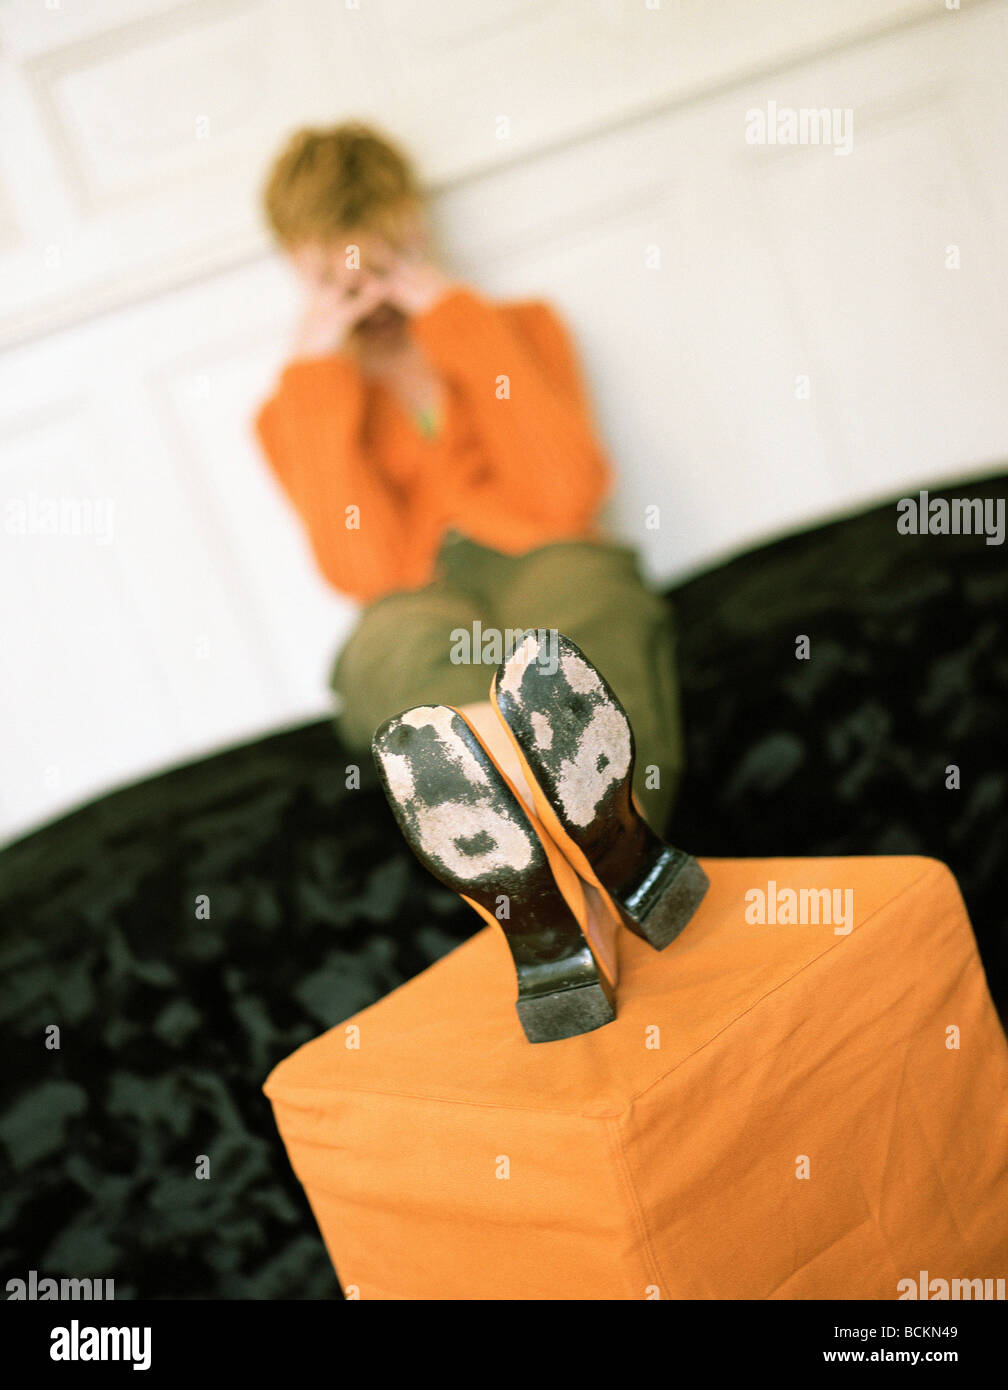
(576, 748)
(466, 825)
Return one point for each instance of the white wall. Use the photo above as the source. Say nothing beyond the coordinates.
(143, 315)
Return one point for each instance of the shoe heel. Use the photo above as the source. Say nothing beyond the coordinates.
(465, 824)
(664, 897)
(576, 747)
(552, 1017)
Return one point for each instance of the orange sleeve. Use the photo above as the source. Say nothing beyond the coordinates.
(546, 461)
(310, 431)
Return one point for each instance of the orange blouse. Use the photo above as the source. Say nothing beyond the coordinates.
(514, 465)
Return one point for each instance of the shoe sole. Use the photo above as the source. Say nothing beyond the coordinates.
(464, 822)
(575, 745)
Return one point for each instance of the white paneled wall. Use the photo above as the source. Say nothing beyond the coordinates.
(771, 333)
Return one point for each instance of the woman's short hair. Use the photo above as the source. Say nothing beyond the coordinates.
(326, 181)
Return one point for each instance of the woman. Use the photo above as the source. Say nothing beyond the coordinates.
(440, 452)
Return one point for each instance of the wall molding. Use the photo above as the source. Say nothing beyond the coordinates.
(251, 242)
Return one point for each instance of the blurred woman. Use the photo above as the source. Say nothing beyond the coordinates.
(439, 449)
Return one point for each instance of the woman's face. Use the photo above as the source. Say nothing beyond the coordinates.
(333, 265)
(356, 261)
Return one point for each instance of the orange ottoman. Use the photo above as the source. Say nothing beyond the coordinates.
(783, 1108)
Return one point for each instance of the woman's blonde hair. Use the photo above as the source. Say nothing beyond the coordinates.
(327, 181)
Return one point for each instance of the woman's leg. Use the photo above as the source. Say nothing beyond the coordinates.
(594, 593)
(401, 654)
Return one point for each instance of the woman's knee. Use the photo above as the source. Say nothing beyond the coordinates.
(401, 654)
(415, 623)
(570, 580)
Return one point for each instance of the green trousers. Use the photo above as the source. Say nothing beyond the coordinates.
(401, 651)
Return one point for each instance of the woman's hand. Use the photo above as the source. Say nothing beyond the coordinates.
(415, 285)
(332, 313)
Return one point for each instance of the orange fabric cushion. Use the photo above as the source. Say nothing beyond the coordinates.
(445, 1157)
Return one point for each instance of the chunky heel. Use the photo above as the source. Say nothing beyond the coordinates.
(564, 1013)
(464, 822)
(663, 897)
(576, 747)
